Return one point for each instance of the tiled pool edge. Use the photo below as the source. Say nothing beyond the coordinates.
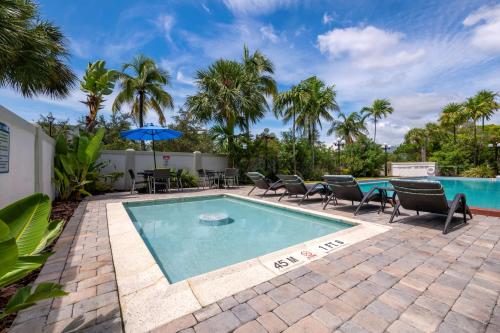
(145, 293)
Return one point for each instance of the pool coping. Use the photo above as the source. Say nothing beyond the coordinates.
(145, 293)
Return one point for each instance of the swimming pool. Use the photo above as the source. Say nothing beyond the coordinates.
(183, 247)
(483, 193)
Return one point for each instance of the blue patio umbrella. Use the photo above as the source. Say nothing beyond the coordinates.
(151, 133)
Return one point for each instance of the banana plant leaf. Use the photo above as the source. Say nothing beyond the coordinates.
(53, 230)
(27, 220)
(22, 267)
(8, 249)
(24, 298)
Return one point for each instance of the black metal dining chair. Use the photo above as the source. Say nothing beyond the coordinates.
(135, 182)
(161, 177)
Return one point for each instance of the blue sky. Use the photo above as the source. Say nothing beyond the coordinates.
(419, 54)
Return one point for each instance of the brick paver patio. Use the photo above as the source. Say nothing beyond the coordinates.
(409, 279)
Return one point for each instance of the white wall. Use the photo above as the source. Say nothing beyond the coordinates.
(119, 160)
(413, 169)
(30, 161)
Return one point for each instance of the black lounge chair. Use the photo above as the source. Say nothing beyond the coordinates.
(264, 183)
(429, 197)
(294, 185)
(345, 187)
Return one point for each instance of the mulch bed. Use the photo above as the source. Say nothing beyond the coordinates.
(60, 211)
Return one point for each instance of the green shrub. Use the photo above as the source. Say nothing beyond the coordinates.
(482, 171)
(25, 233)
(75, 166)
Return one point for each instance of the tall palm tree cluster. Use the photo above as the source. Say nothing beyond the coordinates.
(232, 94)
(481, 106)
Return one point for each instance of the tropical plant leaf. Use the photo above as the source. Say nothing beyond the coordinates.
(4, 231)
(67, 165)
(81, 153)
(8, 249)
(23, 266)
(61, 145)
(24, 298)
(53, 230)
(94, 145)
(27, 220)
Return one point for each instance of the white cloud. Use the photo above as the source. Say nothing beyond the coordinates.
(269, 33)
(370, 47)
(166, 23)
(205, 7)
(327, 18)
(249, 7)
(486, 28)
(180, 77)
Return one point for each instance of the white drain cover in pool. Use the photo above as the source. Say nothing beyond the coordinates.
(214, 219)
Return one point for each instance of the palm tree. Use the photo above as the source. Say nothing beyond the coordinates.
(380, 108)
(259, 84)
(96, 83)
(473, 111)
(220, 98)
(489, 105)
(350, 128)
(418, 137)
(33, 52)
(452, 116)
(288, 104)
(317, 102)
(144, 90)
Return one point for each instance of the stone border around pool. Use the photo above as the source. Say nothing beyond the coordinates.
(147, 298)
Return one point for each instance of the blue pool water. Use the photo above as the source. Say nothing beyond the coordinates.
(183, 247)
(484, 193)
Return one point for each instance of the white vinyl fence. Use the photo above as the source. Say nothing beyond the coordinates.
(413, 169)
(122, 161)
(26, 158)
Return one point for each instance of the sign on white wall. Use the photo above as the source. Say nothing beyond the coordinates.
(4, 148)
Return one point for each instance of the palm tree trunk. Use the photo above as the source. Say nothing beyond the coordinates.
(141, 115)
(293, 146)
(454, 134)
(475, 144)
(375, 130)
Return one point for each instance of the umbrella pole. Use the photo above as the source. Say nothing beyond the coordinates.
(154, 154)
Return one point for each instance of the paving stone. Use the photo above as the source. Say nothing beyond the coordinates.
(357, 298)
(369, 321)
(396, 299)
(304, 283)
(297, 272)
(421, 318)
(475, 309)
(251, 327)
(244, 312)
(308, 324)
(94, 303)
(371, 288)
(340, 309)
(294, 310)
(263, 288)
(223, 322)
(245, 295)
(352, 327)
(383, 310)
(74, 297)
(328, 319)
(207, 312)
(433, 305)
(227, 303)
(329, 290)
(465, 323)
(279, 280)
(177, 325)
(401, 327)
(284, 293)
(272, 323)
(262, 304)
(106, 287)
(59, 314)
(315, 298)
(383, 279)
